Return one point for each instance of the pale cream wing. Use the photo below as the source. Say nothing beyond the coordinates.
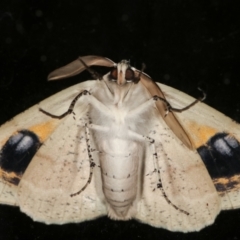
(185, 182)
(14, 140)
(201, 116)
(217, 139)
(8, 193)
(60, 168)
(12, 135)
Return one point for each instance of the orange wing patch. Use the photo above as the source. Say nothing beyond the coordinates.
(44, 130)
(200, 134)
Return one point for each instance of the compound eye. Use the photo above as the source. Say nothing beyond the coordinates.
(114, 74)
(129, 75)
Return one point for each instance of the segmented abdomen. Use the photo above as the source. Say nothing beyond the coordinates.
(119, 165)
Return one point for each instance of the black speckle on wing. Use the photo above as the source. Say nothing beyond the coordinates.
(17, 153)
(221, 156)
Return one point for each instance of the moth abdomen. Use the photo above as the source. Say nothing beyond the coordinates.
(120, 178)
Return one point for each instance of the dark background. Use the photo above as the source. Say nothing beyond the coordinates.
(185, 44)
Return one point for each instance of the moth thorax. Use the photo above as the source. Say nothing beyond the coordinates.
(120, 94)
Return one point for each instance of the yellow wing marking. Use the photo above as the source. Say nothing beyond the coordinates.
(44, 130)
(200, 134)
(230, 184)
(10, 177)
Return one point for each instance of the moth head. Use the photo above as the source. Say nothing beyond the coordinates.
(123, 73)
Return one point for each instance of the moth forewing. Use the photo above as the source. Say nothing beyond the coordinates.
(39, 125)
(185, 181)
(8, 192)
(227, 182)
(14, 145)
(57, 172)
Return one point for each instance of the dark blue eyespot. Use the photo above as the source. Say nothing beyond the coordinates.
(221, 156)
(18, 151)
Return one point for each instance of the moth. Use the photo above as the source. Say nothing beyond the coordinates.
(117, 146)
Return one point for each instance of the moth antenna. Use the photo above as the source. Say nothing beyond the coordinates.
(94, 74)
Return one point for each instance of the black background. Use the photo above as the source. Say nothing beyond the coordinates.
(185, 44)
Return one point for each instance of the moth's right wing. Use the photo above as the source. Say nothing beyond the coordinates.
(49, 179)
(217, 140)
(177, 192)
(61, 167)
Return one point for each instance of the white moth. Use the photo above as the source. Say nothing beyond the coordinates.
(113, 151)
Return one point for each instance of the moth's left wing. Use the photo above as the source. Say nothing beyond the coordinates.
(217, 139)
(22, 136)
(61, 168)
(177, 191)
(20, 139)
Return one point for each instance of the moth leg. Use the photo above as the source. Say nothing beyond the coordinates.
(92, 164)
(90, 150)
(157, 168)
(100, 106)
(142, 108)
(90, 99)
(97, 127)
(70, 109)
(172, 109)
(93, 126)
